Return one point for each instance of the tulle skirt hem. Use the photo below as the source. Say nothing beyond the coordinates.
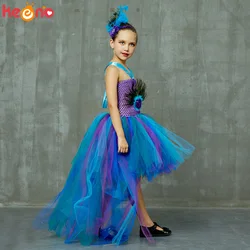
(99, 201)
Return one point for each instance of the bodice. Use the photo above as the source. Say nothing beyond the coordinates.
(130, 93)
(123, 88)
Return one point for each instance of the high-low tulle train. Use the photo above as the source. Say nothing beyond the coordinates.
(98, 203)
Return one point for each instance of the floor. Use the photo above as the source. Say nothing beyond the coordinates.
(192, 229)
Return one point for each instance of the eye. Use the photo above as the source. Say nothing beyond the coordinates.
(122, 42)
(132, 44)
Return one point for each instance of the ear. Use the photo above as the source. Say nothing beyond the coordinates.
(111, 43)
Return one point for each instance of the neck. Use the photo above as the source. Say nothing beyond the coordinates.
(116, 59)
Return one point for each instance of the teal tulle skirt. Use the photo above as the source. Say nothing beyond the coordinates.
(98, 203)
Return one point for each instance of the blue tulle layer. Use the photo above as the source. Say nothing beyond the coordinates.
(98, 203)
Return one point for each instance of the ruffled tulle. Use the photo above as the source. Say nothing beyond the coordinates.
(98, 203)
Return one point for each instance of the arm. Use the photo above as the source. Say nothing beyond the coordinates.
(111, 80)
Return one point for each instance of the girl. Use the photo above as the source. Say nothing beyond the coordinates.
(102, 194)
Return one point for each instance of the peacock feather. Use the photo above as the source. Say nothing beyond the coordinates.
(136, 94)
(117, 18)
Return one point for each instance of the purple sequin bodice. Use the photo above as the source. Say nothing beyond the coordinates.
(123, 87)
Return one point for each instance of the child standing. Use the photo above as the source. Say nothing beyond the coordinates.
(102, 194)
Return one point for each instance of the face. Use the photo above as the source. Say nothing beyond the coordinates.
(124, 44)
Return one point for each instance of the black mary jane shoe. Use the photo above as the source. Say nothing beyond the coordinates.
(155, 232)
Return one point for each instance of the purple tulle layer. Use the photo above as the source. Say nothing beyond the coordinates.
(99, 201)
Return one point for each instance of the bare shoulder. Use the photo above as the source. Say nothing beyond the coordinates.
(112, 73)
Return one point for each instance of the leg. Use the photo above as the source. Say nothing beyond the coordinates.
(143, 214)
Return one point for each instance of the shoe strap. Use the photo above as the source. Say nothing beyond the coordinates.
(156, 224)
(153, 227)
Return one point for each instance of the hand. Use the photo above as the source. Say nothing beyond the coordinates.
(122, 145)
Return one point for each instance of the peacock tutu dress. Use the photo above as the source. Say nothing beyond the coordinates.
(98, 203)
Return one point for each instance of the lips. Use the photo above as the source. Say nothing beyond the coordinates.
(125, 54)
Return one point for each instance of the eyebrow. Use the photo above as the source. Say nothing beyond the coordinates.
(122, 40)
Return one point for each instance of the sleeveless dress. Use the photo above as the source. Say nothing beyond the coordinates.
(98, 203)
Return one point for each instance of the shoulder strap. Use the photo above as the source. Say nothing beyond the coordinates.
(120, 66)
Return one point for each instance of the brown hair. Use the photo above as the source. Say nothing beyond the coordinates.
(126, 26)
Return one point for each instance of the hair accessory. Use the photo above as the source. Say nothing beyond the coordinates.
(118, 17)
